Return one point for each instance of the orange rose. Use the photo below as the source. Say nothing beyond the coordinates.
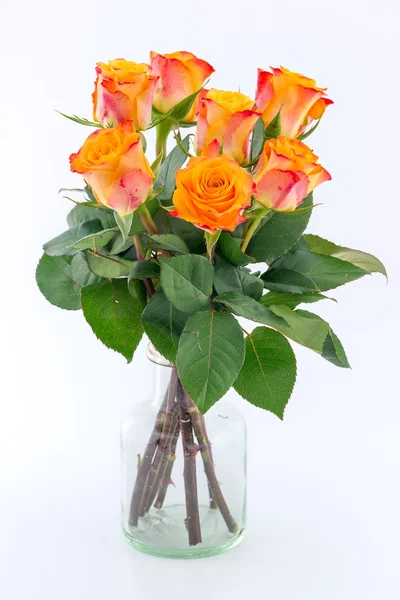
(180, 75)
(298, 98)
(227, 117)
(212, 191)
(123, 92)
(113, 164)
(286, 173)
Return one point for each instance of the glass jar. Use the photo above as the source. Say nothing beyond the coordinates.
(183, 474)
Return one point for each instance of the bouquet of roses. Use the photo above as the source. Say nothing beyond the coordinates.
(169, 248)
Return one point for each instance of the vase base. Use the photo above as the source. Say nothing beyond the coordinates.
(162, 533)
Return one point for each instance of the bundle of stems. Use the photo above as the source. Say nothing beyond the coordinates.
(178, 416)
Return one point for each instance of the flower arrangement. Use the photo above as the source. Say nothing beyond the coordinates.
(170, 248)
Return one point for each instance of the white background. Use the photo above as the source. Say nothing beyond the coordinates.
(324, 491)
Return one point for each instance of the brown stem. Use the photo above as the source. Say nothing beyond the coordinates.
(161, 457)
(166, 479)
(189, 473)
(215, 488)
(145, 465)
(213, 504)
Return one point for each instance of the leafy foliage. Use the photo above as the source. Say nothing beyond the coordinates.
(187, 281)
(269, 371)
(61, 281)
(114, 315)
(190, 286)
(210, 356)
(324, 272)
(166, 177)
(291, 300)
(163, 323)
(228, 278)
(280, 232)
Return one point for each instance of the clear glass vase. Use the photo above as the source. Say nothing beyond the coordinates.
(183, 474)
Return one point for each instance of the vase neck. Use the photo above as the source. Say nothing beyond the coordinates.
(162, 369)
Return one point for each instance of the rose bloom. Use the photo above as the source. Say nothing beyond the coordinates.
(301, 102)
(180, 75)
(286, 173)
(113, 164)
(227, 117)
(123, 92)
(212, 191)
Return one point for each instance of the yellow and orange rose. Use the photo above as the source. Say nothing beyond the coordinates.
(123, 92)
(180, 75)
(212, 191)
(113, 164)
(227, 117)
(286, 173)
(297, 97)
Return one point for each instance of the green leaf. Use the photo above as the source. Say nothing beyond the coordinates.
(113, 315)
(187, 281)
(229, 247)
(163, 324)
(119, 245)
(98, 240)
(82, 212)
(332, 349)
(273, 129)
(61, 281)
(363, 260)
(108, 266)
(280, 232)
(124, 224)
(327, 272)
(309, 333)
(168, 241)
(309, 330)
(137, 290)
(228, 278)
(62, 245)
(248, 308)
(182, 109)
(144, 270)
(257, 139)
(285, 280)
(210, 356)
(166, 178)
(268, 374)
(191, 235)
(291, 300)
(81, 120)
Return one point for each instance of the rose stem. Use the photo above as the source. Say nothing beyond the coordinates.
(139, 253)
(248, 233)
(159, 464)
(189, 472)
(201, 436)
(166, 480)
(213, 504)
(145, 465)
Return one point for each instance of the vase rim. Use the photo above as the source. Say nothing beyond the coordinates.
(155, 357)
